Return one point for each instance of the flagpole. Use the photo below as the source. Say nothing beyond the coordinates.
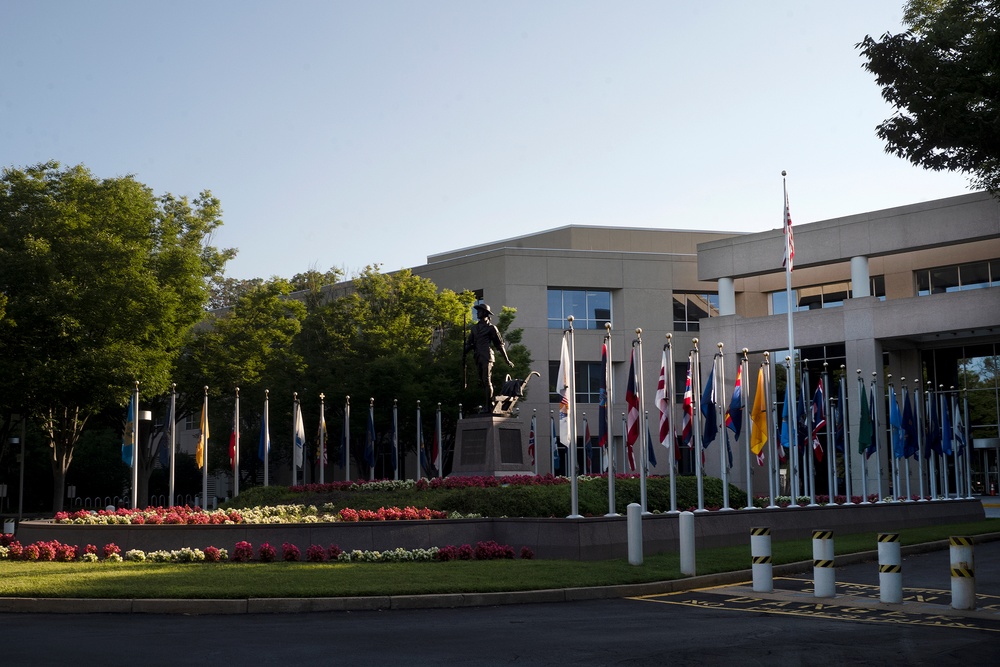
(553, 446)
(906, 439)
(439, 459)
(624, 436)
(918, 404)
(845, 418)
(643, 428)
(267, 437)
(322, 438)
(772, 463)
(534, 436)
(953, 406)
(586, 429)
(931, 409)
(204, 452)
(173, 440)
(236, 451)
(347, 436)
(420, 444)
(864, 454)
(695, 361)
(571, 445)
(966, 444)
(875, 436)
(609, 445)
(793, 417)
(396, 460)
(371, 435)
(719, 380)
(831, 452)
(810, 425)
(748, 423)
(135, 448)
(894, 477)
(670, 392)
(793, 431)
(944, 455)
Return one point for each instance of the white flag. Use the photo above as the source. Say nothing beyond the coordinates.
(562, 388)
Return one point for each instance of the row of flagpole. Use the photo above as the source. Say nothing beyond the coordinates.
(131, 441)
(800, 430)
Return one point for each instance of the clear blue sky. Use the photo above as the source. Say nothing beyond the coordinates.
(344, 133)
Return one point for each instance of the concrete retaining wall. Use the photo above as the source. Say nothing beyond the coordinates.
(597, 538)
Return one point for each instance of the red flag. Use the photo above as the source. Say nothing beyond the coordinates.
(663, 404)
(687, 410)
(632, 401)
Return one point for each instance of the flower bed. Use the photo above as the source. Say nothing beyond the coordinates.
(11, 549)
(276, 514)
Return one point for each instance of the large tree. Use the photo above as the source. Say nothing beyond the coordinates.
(942, 77)
(104, 280)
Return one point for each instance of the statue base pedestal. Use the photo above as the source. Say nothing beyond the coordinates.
(491, 445)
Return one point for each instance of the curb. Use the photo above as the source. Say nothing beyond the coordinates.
(195, 607)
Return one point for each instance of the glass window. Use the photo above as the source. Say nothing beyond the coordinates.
(835, 293)
(878, 287)
(587, 379)
(690, 308)
(944, 279)
(810, 298)
(975, 276)
(590, 309)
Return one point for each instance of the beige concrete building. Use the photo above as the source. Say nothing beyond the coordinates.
(630, 278)
(906, 291)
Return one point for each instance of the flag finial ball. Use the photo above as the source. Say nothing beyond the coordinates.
(784, 173)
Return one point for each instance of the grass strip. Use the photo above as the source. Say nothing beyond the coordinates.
(270, 580)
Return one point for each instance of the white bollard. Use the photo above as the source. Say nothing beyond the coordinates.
(824, 574)
(760, 552)
(890, 569)
(685, 527)
(634, 519)
(963, 573)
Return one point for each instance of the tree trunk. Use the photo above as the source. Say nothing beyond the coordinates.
(63, 431)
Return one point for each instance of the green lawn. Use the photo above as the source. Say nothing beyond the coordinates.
(264, 580)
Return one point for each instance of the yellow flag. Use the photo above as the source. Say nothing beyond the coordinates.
(758, 436)
(199, 455)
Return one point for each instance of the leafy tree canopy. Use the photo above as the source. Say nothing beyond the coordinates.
(942, 77)
(103, 281)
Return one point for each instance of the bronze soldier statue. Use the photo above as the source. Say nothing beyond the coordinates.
(483, 338)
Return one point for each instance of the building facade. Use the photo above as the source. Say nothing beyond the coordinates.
(904, 295)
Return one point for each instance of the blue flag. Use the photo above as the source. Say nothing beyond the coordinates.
(932, 443)
(784, 437)
(128, 434)
(909, 427)
(946, 429)
(370, 441)
(650, 448)
(708, 410)
(895, 424)
(734, 416)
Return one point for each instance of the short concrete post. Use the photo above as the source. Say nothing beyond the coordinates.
(685, 526)
(963, 573)
(634, 520)
(760, 552)
(890, 569)
(824, 574)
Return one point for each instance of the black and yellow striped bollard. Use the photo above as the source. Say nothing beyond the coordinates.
(890, 569)
(760, 553)
(824, 574)
(963, 573)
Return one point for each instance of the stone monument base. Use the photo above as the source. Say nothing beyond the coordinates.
(491, 446)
